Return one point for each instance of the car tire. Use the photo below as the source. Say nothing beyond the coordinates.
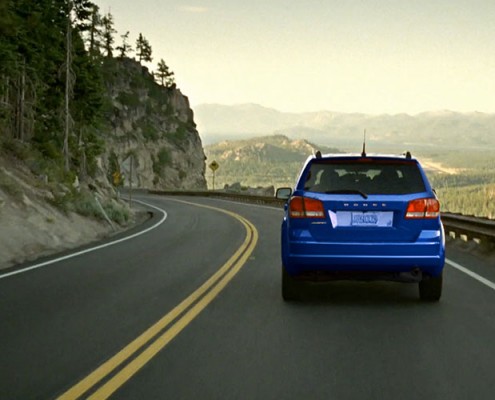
(290, 287)
(430, 289)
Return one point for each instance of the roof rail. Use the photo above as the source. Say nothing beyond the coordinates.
(363, 153)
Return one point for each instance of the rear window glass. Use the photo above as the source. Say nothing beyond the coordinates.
(373, 177)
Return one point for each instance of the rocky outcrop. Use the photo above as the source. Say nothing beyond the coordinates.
(153, 141)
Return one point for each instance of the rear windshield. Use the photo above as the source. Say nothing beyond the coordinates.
(370, 177)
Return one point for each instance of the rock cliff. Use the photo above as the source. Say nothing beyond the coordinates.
(153, 141)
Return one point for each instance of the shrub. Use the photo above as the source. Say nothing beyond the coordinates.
(85, 204)
(117, 212)
(164, 157)
(179, 135)
(17, 148)
(10, 186)
(162, 160)
(129, 99)
(149, 131)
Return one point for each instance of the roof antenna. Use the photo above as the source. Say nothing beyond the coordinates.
(363, 154)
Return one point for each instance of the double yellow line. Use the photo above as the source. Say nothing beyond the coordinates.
(155, 338)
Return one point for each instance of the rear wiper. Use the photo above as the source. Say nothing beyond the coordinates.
(347, 191)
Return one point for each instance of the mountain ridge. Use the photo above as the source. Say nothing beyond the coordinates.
(444, 128)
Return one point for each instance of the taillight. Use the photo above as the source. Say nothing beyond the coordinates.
(303, 207)
(423, 208)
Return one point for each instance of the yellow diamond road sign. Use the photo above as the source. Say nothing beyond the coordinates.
(116, 177)
(214, 166)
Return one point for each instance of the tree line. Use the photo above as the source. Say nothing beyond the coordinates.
(471, 192)
(477, 200)
(52, 92)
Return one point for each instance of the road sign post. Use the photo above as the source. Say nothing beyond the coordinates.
(214, 166)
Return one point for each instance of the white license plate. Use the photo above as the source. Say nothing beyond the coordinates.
(362, 218)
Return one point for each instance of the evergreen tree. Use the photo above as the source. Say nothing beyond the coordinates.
(126, 47)
(164, 75)
(8, 32)
(69, 83)
(143, 49)
(108, 31)
(83, 14)
(86, 111)
(95, 32)
(36, 92)
(41, 50)
(8, 55)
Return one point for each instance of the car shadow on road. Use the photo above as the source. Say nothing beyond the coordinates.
(361, 293)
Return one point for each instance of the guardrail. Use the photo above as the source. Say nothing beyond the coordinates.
(456, 225)
(240, 197)
(472, 228)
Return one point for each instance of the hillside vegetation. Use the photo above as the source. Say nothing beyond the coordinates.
(471, 189)
(264, 161)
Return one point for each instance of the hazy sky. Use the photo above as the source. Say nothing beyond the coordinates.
(372, 56)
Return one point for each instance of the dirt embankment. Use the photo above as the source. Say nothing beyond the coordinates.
(30, 226)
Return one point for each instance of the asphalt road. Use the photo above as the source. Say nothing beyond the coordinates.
(236, 339)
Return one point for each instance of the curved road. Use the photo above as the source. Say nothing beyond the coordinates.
(142, 319)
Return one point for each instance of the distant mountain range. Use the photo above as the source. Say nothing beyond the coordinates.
(446, 129)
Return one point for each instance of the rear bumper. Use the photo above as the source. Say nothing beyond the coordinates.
(300, 258)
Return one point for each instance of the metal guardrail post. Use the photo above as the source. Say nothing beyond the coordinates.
(472, 228)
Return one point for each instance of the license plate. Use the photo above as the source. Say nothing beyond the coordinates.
(362, 218)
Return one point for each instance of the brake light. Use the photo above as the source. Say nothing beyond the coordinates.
(304, 207)
(423, 208)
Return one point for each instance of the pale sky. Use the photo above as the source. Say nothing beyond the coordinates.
(370, 56)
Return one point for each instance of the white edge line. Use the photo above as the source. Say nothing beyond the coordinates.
(20, 271)
(472, 274)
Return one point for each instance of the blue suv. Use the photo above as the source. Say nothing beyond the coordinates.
(362, 217)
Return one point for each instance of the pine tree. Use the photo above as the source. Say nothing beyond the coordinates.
(126, 47)
(36, 81)
(143, 49)
(8, 55)
(83, 13)
(108, 31)
(164, 75)
(47, 78)
(95, 32)
(69, 84)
